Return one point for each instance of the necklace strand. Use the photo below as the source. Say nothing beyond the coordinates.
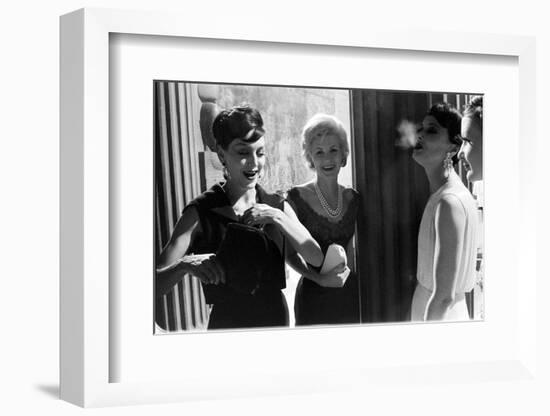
(333, 213)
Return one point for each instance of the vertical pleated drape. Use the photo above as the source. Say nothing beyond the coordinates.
(393, 190)
(177, 181)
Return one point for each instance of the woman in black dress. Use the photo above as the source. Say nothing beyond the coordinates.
(329, 211)
(201, 244)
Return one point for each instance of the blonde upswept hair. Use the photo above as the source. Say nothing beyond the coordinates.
(321, 125)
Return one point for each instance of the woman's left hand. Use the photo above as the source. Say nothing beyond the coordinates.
(260, 214)
(334, 278)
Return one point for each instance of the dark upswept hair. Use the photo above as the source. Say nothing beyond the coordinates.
(448, 117)
(240, 122)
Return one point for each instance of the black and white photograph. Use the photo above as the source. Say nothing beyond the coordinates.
(302, 206)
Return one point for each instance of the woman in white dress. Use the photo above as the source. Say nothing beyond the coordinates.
(447, 239)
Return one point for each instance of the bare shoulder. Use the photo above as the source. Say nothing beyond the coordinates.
(306, 191)
(450, 202)
(306, 187)
(186, 230)
(188, 222)
(349, 194)
(450, 210)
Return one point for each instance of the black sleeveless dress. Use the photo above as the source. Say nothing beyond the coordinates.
(266, 307)
(314, 304)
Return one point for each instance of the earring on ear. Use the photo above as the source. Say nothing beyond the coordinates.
(343, 162)
(226, 174)
(447, 164)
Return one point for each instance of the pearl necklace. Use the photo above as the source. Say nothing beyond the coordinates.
(333, 213)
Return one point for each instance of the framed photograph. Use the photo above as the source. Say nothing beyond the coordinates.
(384, 192)
(141, 96)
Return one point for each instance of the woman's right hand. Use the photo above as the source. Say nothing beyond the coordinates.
(205, 267)
(335, 277)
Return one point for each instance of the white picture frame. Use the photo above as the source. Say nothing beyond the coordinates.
(85, 355)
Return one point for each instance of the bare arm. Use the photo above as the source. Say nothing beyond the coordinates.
(299, 237)
(449, 227)
(334, 278)
(295, 261)
(174, 262)
(293, 230)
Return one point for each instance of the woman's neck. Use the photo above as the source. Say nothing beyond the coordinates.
(328, 186)
(437, 177)
(239, 197)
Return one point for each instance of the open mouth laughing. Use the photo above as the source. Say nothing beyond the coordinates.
(251, 174)
(328, 168)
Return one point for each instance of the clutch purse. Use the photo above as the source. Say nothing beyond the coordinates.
(334, 256)
(243, 254)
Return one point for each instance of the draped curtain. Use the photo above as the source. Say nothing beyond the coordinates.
(177, 182)
(394, 191)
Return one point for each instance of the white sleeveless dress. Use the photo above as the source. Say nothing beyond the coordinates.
(428, 250)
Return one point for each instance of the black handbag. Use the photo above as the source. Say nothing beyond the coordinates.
(244, 255)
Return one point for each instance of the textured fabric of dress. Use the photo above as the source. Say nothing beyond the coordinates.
(427, 251)
(231, 308)
(314, 304)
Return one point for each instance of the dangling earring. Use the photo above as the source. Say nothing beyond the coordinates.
(343, 162)
(226, 174)
(447, 164)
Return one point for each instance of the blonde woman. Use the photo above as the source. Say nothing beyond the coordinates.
(328, 210)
